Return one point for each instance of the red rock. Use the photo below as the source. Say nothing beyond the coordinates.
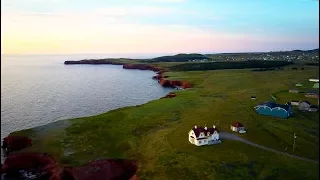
(165, 83)
(174, 83)
(29, 160)
(47, 165)
(186, 85)
(16, 143)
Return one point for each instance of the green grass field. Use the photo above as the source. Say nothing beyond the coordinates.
(156, 133)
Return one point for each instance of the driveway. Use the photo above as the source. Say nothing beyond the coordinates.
(230, 136)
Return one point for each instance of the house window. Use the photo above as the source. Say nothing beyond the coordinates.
(199, 142)
(205, 141)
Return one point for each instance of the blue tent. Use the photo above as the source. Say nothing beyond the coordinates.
(273, 109)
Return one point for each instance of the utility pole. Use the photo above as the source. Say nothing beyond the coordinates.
(294, 141)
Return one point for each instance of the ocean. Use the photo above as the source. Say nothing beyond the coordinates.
(40, 89)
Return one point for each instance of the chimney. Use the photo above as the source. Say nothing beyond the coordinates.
(205, 128)
(195, 126)
(214, 126)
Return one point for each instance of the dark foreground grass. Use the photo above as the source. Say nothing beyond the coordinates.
(155, 133)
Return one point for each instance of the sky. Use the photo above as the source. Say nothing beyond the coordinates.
(157, 26)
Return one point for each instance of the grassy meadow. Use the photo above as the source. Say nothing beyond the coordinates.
(156, 133)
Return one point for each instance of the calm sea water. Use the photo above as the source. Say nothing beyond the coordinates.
(36, 90)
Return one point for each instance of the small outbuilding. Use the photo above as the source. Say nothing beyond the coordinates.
(313, 108)
(312, 94)
(314, 80)
(304, 105)
(237, 127)
(298, 85)
(253, 97)
(293, 91)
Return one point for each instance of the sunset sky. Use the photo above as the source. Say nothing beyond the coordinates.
(157, 26)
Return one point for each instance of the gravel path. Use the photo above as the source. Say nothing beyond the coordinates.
(230, 136)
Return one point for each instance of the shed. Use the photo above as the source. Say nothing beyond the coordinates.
(304, 105)
(314, 80)
(316, 86)
(295, 103)
(298, 84)
(253, 97)
(293, 91)
(313, 108)
(236, 127)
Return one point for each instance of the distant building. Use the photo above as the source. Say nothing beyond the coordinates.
(298, 85)
(270, 108)
(304, 105)
(253, 97)
(312, 94)
(313, 108)
(314, 80)
(295, 103)
(293, 91)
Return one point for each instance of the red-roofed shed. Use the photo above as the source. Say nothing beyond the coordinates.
(236, 126)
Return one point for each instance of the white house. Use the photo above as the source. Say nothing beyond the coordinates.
(200, 136)
(314, 80)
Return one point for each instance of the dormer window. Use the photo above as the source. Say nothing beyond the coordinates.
(208, 134)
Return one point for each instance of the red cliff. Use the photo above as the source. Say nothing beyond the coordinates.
(174, 83)
(15, 143)
(43, 166)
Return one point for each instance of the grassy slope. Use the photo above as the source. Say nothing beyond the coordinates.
(156, 133)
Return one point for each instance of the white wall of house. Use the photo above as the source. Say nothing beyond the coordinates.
(234, 128)
(207, 138)
(215, 136)
(295, 103)
(201, 142)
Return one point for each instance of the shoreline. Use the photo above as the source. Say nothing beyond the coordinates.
(38, 129)
(157, 70)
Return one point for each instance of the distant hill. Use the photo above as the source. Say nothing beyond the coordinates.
(179, 58)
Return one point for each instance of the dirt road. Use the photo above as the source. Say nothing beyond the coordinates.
(230, 136)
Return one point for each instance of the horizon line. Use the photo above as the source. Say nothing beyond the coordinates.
(104, 53)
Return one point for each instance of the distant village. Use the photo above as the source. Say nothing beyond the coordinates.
(310, 56)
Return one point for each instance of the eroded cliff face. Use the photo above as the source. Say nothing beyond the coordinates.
(174, 83)
(164, 82)
(31, 165)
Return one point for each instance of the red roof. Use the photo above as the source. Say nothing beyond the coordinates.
(201, 129)
(237, 124)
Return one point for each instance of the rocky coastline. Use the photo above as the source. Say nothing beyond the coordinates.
(44, 166)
